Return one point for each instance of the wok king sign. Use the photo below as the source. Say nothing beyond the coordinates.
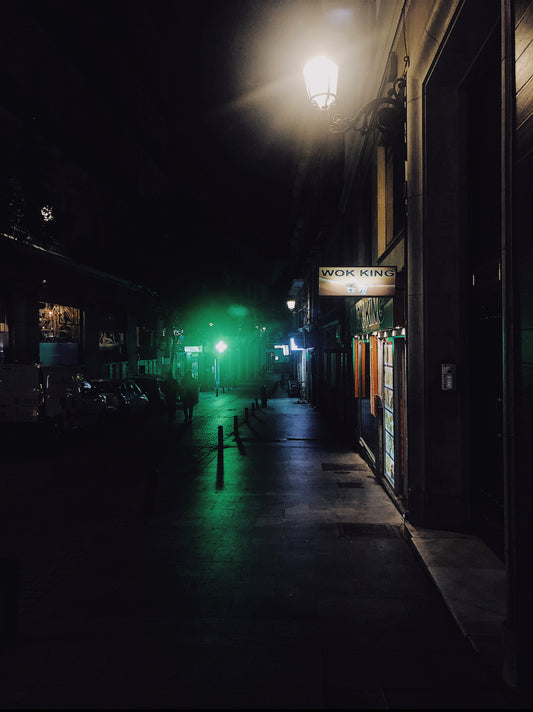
(356, 281)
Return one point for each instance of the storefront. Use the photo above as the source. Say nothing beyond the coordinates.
(379, 388)
(59, 327)
(191, 363)
(298, 357)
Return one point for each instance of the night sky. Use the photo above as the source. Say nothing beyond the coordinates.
(213, 91)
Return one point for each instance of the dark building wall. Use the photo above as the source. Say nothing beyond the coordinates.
(523, 181)
(518, 332)
(446, 232)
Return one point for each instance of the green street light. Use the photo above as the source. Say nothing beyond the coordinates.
(220, 346)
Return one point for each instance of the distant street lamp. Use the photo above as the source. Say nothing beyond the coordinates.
(220, 346)
(291, 304)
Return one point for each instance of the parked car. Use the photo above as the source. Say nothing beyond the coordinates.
(58, 398)
(153, 387)
(70, 400)
(123, 397)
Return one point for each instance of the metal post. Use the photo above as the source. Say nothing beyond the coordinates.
(236, 424)
(246, 414)
(253, 408)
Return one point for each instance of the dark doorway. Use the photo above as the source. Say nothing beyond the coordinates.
(485, 315)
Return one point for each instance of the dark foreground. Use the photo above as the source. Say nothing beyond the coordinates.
(155, 573)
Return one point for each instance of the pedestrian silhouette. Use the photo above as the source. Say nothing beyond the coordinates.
(189, 395)
(171, 389)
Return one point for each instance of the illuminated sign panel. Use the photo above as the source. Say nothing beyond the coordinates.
(356, 281)
(193, 349)
(296, 342)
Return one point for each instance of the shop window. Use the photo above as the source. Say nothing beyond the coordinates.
(58, 323)
(388, 410)
(384, 213)
(111, 339)
(390, 196)
(4, 340)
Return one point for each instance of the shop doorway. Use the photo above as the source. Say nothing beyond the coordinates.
(369, 431)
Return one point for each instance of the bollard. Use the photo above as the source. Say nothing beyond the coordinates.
(216, 392)
(220, 458)
(253, 408)
(246, 414)
(236, 424)
(150, 492)
(256, 403)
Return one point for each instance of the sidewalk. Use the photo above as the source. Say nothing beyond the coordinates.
(280, 576)
(471, 581)
(467, 574)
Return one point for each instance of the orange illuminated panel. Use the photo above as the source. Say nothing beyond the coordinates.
(355, 369)
(373, 374)
(363, 371)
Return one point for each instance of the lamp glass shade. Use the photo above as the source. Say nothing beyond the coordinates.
(291, 304)
(320, 76)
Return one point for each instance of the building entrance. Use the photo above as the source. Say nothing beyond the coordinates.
(485, 314)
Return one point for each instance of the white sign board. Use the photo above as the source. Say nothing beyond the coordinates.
(356, 281)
